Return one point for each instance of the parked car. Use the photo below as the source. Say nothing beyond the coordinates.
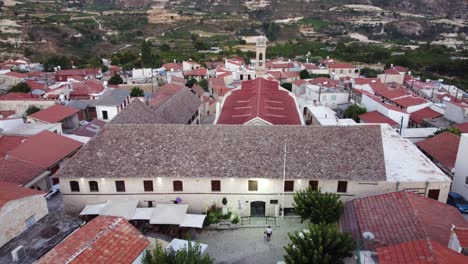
(457, 200)
(53, 191)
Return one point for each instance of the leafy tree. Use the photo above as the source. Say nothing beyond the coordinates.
(320, 244)
(137, 92)
(21, 87)
(54, 61)
(287, 86)
(191, 82)
(165, 47)
(146, 54)
(32, 109)
(116, 79)
(354, 111)
(190, 254)
(317, 207)
(304, 74)
(452, 130)
(369, 73)
(204, 84)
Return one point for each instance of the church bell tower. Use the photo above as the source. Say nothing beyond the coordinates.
(260, 58)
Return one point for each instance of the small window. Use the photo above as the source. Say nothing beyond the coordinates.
(333, 98)
(93, 186)
(148, 185)
(289, 186)
(466, 180)
(253, 185)
(104, 115)
(120, 186)
(150, 203)
(74, 186)
(342, 186)
(433, 194)
(273, 201)
(314, 185)
(178, 187)
(216, 186)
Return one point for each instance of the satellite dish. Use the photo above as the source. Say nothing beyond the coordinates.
(368, 236)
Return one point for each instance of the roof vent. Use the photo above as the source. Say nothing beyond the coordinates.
(18, 253)
(368, 236)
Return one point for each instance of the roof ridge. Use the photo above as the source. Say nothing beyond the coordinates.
(97, 237)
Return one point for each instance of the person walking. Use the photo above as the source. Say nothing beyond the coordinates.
(268, 233)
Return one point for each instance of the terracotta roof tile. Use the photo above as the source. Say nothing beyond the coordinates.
(442, 148)
(90, 129)
(374, 117)
(378, 87)
(362, 81)
(17, 74)
(462, 127)
(462, 236)
(17, 171)
(45, 149)
(425, 113)
(340, 66)
(197, 72)
(105, 239)
(19, 97)
(8, 143)
(392, 94)
(259, 98)
(54, 114)
(409, 101)
(11, 191)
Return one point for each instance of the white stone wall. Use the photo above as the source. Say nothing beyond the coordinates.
(20, 106)
(336, 74)
(13, 215)
(455, 113)
(111, 112)
(461, 168)
(391, 78)
(396, 116)
(197, 192)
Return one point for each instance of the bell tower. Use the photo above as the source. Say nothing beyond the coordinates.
(260, 58)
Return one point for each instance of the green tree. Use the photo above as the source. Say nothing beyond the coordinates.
(51, 63)
(21, 87)
(287, 86)
(354, 111)
(165, 47)
(204, 84)
(304, 74)
(191, 82)
(32, 109)
(146, 54)
(317, 207)
(320, 244)
(369, 73)
(452, 130)
(136, 92)
(190, 254)
(116, 79)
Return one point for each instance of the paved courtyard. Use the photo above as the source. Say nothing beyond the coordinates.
(55, 204)
(247, 245)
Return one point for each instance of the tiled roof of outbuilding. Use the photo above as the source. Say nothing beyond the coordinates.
(442, 148)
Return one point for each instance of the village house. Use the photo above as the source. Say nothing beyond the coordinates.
(456, 112)
(340, 70)
(419, 118)
(197, 74)
(259, 102)
(185, 172)
(460, 178)
(324, 116)
(190, 66)
(66, 116)
(20, 102)
(321, 92)
(375, 103)
(88, 89)
(395, 74)
(87, 109)
(12, 78)
(77, 74)
(111, 103)
(403, 227)
(375, 117)
(442, 150)
(105, 239)
(20, 208)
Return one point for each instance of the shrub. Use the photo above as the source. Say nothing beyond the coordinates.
(317, 207)
(236, 219)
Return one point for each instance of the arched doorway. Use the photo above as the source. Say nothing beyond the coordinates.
(257, 209)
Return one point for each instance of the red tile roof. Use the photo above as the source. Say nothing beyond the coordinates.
(35, 85)
(379, 100)
(392, 94)
(462, 127)
(45, 149)
(164, 93)
(7, 113)
(377, 118)
(197, 72)
(310, 66)
(420, 252)
(340, 66)
(299, 82)
(105, 239)
(174, 66)
(55, 113)
(419, 116)
(17, 171)
(409, 101)
(279, 65)
(442, 148)
(462, 236)
(18, 97)
(16, 75)
(327, 82)
(11, 191)
(362, 81)
(84, 89)
(8, 143)
(400, 217)
(392, 71)
(401, 69)
(378, 87)
(78, 72)
(259, 98)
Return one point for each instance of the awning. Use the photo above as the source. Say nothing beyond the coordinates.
(143, 213)
(179, 244)
(169, 214)
(93, 209)
(193, 220)
(120, 208)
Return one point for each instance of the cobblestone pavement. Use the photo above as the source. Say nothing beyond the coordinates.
(247, 245)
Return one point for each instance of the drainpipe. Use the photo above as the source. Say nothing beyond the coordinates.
(284, 181)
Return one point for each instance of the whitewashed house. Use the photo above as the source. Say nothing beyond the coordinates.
(111, 103)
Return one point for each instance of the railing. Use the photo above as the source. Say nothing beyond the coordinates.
(269, 220)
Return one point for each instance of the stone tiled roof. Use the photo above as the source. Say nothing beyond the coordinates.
(179, 108)
(231, 151)
(138, 113)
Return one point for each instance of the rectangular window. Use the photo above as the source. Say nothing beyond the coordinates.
(466, 180)
(120, 186)
(342, 186)
(104, 115)
(273, 201)
(150, 203)
(289, 186)
(215, 186)
(333, 98)
(177, 185)
(148, 185)
(253, 185)
(74, 186)
(93, 186)
(314, 185)
(433, 194)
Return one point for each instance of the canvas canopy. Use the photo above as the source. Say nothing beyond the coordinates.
(93, 209)
(120, 208)
(143, 213)
(179, 244)
(169, 214)
(193, 220)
